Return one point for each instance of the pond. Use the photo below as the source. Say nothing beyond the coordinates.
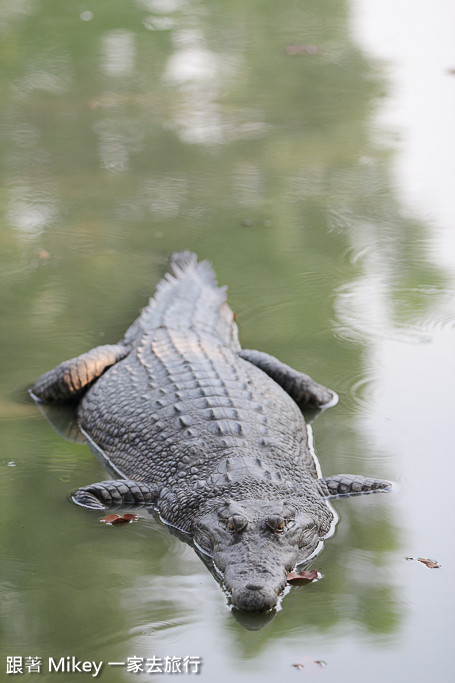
(304, 149)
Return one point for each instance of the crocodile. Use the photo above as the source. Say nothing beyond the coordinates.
(208, 434)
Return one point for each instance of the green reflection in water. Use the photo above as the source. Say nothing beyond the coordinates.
(138, 131)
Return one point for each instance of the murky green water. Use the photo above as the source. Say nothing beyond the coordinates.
(273, 139)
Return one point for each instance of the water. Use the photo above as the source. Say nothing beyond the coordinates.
(304, 149)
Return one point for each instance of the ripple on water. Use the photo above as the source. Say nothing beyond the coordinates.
(363, 391)
(369, 309)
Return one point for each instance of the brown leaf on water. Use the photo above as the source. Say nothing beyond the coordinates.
(130, 517)
(120, 520)
(109, 519)
(432, 564)
(116, 519)
(312, 575)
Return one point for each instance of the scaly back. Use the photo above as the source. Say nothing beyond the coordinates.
(186, 298)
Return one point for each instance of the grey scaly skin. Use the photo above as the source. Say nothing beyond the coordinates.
(208, 433)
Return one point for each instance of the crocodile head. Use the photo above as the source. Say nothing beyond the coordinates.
(255, 544)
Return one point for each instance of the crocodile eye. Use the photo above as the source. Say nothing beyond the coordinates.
(237, 523)
(276, 523)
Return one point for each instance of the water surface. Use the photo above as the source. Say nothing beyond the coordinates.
(295, 145)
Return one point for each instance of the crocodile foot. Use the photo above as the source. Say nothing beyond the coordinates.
(351, 484)
(118, 492)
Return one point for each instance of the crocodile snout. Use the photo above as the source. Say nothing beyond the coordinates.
(254, 598)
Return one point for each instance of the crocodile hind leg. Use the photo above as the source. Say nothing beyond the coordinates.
(70, 379)
(116, 492)
(351, 484)
(300, 387)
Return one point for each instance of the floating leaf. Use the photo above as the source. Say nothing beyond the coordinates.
(109, 519)
(120, 520)
(432, 564)
(312, 575)
(130, 517)
(116, 519)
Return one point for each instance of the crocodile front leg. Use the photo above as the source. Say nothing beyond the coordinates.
(300, 387)
(116, 492)
(70, 379)
(350, 484)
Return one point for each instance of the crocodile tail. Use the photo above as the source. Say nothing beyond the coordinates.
(188, 297)
(182, 261)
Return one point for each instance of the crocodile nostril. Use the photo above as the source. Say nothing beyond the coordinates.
(254, 586)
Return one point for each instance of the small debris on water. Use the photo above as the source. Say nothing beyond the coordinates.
(117, 519)
(307, 661)
(303, 49)
(431, 564)
(312, 575)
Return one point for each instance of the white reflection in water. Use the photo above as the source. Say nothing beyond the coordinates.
(30, 211)
(161, 6)
(419, 106)
(408, 417)
(87, 15)
(118, 53)
(52, 76)
(362, 307)
(201, 76)
(194, 64)
(159, 23)
(9, 11)
(418, 48)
